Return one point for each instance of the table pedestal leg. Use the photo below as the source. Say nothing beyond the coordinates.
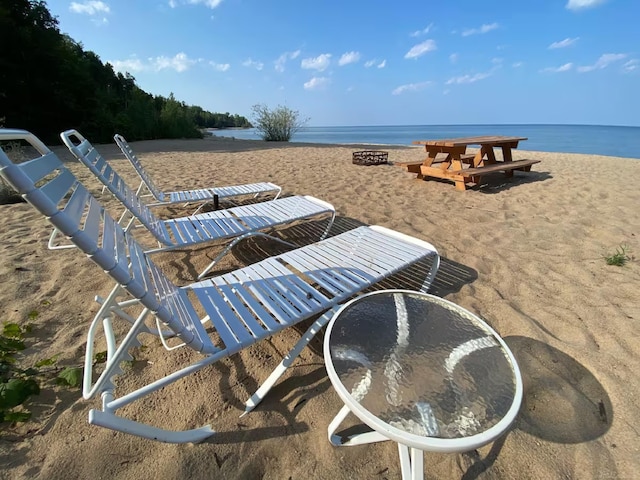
(411, 464)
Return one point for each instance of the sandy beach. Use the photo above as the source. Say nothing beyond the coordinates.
(524, 253)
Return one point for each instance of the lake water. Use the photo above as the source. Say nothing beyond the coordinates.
(591, 139)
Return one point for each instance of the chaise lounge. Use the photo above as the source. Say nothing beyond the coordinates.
(240, 308)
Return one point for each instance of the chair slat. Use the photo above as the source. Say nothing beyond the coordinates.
(218, 311)
(281, 284)
(245, 294)
(39, 167)
(59, 186)
(257, 330)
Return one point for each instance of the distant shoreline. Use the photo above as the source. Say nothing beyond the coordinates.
(612, 141)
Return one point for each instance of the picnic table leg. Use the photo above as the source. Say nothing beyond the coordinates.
(431, 156)
(491, 156)
(455, 160)
(506, 155)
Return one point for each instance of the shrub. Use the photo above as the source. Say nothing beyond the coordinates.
(277, 125)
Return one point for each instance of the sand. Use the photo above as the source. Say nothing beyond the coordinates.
(526, 254)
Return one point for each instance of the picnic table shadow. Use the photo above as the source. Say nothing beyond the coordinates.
(496, 182)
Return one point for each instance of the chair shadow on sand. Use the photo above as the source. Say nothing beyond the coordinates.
(563, 403)
(298, 389)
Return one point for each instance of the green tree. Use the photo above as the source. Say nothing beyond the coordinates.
(278, 124)
(49, 83)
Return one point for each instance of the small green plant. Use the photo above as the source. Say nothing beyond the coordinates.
(619, 257)
(16, 384)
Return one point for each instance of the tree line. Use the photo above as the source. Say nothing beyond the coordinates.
(49, 83)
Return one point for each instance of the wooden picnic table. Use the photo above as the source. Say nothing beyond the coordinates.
(462, 168)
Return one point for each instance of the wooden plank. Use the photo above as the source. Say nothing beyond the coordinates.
(498, 167)
(439, 173)
(464, 141)
(405, 164)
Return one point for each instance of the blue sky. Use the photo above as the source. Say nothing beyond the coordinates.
(357, 62)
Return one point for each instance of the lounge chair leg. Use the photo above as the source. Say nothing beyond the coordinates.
(257, 397)
(113, 422)
(326, 231)
(428, 282)
(235, 241)
(52, 241)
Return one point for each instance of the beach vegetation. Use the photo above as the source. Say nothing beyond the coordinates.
(618, 258)
(278, 124)
(17, 382)
(51, 83)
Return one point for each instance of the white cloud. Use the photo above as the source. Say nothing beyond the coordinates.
(567, 42)
(468, 78)
(603, 62)
(180, 63)
(382, 64)
(349, 57)
(424, 31)
(517, 64)
(130, 65)
(370, 63)
(497, 60)
(580, 4)
(410, 87)
(207, 3)
(282, 59)
(631, 65)
(320, 63)
(92, 8)
(487, 27)
(421, 48)
(221, 67)
(562, 68)
(252, 63)
(89, 8)
(316, 83)
(453, 58)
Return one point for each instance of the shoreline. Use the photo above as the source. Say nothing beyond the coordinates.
(616, 141)
(293, 143)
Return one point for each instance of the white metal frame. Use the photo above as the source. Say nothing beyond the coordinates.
(241, 307)
(202, 195)
(411, 446)
(237, 222)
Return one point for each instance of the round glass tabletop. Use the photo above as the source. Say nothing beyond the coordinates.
(422, 371)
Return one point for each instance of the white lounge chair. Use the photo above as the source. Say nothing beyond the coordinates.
(241, 307)
(236, 222)
(203, 195)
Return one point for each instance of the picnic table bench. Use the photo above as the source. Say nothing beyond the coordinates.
(463, 168)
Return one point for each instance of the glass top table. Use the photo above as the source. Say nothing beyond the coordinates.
(421, 371)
